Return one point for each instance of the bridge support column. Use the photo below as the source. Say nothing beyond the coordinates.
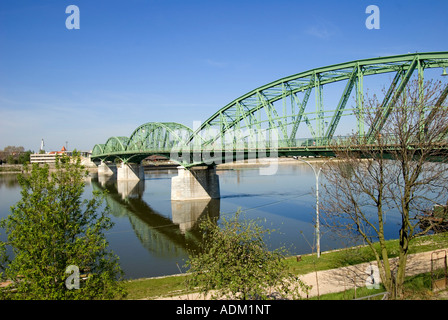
(195, 183)
(107, 169)
(130, 171)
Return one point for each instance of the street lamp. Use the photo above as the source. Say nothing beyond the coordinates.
(316, 175)
(444, 72)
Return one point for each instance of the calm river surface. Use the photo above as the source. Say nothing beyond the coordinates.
(152, 234)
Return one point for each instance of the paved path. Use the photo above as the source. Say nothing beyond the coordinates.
(341, 279)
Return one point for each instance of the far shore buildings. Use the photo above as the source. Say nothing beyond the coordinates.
(50, 157)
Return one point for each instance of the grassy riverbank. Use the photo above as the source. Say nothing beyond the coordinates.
(175, 285)
(11, 168)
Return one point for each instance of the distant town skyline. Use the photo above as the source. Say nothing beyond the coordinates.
(131, 62)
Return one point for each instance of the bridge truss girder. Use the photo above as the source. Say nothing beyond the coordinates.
(277, 111)
(152, 138)
(256, 110)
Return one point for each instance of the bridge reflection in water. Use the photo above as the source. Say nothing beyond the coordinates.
(162, 236)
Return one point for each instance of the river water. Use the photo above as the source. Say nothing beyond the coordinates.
(152, 235)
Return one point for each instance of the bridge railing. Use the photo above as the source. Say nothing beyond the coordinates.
(245, 144)
(268, 145)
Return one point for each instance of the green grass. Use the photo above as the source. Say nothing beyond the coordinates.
(175, 285)
(415, 287)
(155, 287)
(356, 255)
(352, 294)
(11, 169)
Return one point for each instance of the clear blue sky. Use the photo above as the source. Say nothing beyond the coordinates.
(137, 61)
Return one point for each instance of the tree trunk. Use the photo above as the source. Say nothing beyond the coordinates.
(386, 272)
(402, 259)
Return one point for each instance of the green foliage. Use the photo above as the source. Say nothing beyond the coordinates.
(3, 257)
(15, 155)
(150, 288)
(52, 228)
(234, 262)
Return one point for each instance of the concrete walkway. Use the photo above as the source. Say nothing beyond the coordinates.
(341, 279)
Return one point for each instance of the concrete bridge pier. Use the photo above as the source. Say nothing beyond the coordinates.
(195, 183)
(130, 171)
(107, 169)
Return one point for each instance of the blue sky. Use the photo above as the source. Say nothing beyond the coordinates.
(139, 61)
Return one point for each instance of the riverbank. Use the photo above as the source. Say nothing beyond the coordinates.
(166, 165)
(250, 163)
(11, 168)
(338, 279)
(335, 271)
(266, 162)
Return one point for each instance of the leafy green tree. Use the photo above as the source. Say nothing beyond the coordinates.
(24, 157)
(11, 159)
(53, 228)
(234, 262)
(2, 256)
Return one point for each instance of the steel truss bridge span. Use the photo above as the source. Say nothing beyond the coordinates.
(296, 115)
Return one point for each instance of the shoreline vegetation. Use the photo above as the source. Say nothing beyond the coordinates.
(162, 164)
(173, 286)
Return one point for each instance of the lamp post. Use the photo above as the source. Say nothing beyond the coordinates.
(316, 175)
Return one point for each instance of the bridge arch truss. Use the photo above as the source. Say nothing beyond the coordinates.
(305, 110)
(297, 102)
(151, 138)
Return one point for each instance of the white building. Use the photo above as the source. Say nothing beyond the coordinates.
(50, 157)
(43, 158)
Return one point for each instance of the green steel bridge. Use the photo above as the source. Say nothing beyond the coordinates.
(282, 118)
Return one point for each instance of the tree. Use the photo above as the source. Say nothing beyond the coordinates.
(52, 231)
(24, 157)
(11, 159)
(400, 172)
(234, 262)
(15, 155)
(13, 150)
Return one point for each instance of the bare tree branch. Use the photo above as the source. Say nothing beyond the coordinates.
(401, 173)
